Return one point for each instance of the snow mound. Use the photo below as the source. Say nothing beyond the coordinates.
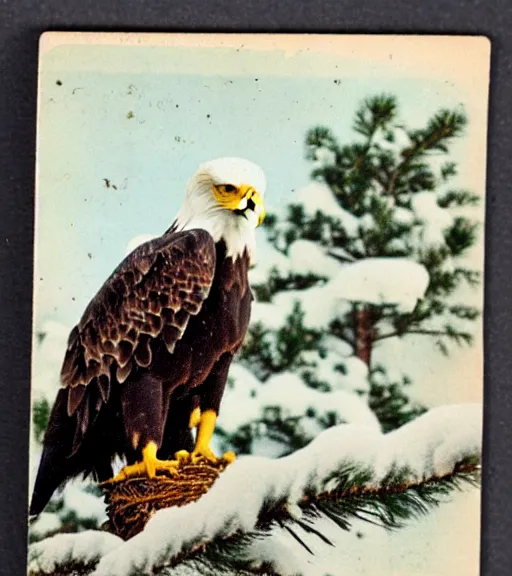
(45, 523)
(238, 404)
(294, 398)
(430, 446)
(355, 378)
(367, 221)
(267, 258)
(434, 218)
(83, 503)
(403, 215)
(339, 372)
(382, 280)
(320, 305)
(268, 315)
(433, 442)
(318, 197)
(247, 398)
(324, 157)
(309, 258)
(397, 281)
(49, 345)
(88, 547)
(337, 345)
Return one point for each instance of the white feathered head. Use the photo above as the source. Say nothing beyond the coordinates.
(225, 197)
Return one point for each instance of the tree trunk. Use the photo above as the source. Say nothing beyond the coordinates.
(364, 334)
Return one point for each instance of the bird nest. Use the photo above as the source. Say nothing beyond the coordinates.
(132, 502)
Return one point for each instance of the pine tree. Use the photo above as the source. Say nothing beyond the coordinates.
(390, 197)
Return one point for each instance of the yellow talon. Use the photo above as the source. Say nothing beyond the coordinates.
(131, 471)
(197, 455)
(204, 436)
(202, 450)
(182, 455)
(229, 457)
(149, 466)
(206, 421)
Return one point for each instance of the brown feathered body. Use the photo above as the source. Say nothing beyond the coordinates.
(156, 341)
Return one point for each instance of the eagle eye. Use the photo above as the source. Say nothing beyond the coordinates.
(229, 188)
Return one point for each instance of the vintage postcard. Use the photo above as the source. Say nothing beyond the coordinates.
(258, 305)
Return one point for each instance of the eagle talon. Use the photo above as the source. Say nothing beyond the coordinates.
(205, 453)
(167, 466)
(149, 467)
(140, 470)
(229, 457)
(182, 456)
(131, 471)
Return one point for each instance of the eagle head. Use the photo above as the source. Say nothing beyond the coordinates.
(225, 197)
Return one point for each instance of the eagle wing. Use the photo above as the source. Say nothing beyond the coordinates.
(151, 295)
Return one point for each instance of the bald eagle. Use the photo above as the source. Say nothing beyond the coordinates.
(148, 361)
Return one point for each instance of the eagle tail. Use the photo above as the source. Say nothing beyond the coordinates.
(55, 466)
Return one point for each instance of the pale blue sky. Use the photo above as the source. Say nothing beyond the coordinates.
(147, 130)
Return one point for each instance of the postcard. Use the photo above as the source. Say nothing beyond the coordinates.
(258, 305)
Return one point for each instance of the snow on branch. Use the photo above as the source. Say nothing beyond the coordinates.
(436, 220)
(397, 281)
(307, 257)
(318, 197)
(401, 474)
(287, 393)
(75, 551)
(267, 260)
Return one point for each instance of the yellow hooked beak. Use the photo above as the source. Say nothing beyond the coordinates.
(250, 199)
(241, 199)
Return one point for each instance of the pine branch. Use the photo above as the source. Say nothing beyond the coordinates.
(465, 312)
(472, 277)
(391, 507)
(448, 333)
(389, 401)
(443, 126)
(376, 112)
(202, 567)
(40, 417)
(384, 479)
(458, 198)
